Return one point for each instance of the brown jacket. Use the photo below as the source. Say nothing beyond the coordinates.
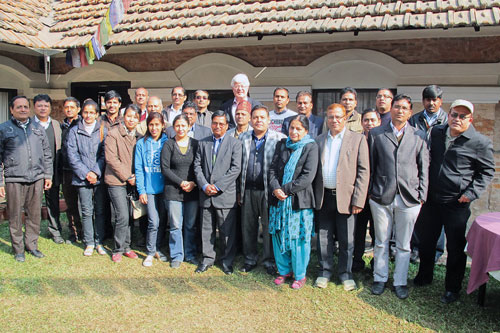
(353, 171)
(119, 153)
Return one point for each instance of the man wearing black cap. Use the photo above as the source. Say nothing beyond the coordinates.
(461, 168)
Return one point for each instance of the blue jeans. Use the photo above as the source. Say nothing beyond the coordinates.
(120, 212)
(182, 214)
(92, 205)
(156, 223)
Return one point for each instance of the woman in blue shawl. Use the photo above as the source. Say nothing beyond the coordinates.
(291, 214)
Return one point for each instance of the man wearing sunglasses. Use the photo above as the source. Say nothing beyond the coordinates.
(202, 101)
(461, 168)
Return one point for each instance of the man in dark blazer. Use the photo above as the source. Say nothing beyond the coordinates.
(196, 131)
(240, 85)
(305, 106)
(461, 168)
(217, 165)
(344, 175)
(42, 106)
(258, 151)
(399, 163)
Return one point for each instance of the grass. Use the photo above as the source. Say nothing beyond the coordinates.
(68, 292)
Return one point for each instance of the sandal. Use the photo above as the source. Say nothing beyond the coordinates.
(282, 278)
(297, 284)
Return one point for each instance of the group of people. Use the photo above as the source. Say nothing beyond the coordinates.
(244, 168)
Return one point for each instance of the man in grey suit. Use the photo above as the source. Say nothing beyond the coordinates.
(343, 182)
(399, 163)
(217, 165)
(258, 152)
(196, 131)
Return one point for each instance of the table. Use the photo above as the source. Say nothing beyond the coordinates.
(483, 246)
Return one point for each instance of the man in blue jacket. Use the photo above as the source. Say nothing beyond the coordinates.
(26, 169)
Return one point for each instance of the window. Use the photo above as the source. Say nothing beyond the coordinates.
(324, 97)
(5, 96)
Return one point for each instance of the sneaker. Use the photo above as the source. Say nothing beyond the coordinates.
(282, 278)
(131, 254)
(160, 256)
(321, 282)
(148, 261)
(349, 285)
(297, 284)
(175, 264)
(100, 249)
(116, 257)
(88, 250)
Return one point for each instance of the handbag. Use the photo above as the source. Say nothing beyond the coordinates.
(137, 208)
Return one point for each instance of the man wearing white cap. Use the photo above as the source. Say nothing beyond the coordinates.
(461, 167)
(240, 85)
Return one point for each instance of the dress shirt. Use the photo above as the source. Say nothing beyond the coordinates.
(449, 139)
(215, 150)
(332, 154)
(397, 132)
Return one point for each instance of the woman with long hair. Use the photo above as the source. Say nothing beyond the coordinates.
(181, 197)
(149, 182)
(120, 178)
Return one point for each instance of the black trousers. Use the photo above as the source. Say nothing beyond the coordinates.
(453, 216)
(52, 202)
(332, 223)
(360, 235)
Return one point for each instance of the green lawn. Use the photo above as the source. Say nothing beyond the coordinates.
(68, 292)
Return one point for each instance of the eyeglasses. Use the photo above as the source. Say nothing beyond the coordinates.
(459, 116)
(178, 95)
(335, 117)
(384, 96)
(202, 97)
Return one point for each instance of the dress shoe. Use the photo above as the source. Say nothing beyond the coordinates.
(202, 268)
(378, 288)
(349, 285)
(247, 268)
(58, 240)
(228, 270)
(271, 270)
(36, 254)
(401, 291)
(420, 282)
(19, 257)
(449, 297)
(321, 282)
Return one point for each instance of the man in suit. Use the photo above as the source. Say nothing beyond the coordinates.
(305, 106)
(240, 85)
(217, 165)
(258, 152)
(399, 163)
(178, 98)
(42, 107)
(196, 130)
(343, 182)
(461, 168)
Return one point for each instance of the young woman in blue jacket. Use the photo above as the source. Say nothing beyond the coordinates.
(149, 182)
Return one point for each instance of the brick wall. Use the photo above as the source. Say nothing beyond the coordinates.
(415, 51)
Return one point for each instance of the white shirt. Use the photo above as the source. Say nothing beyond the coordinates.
(397, 132)
(277, 119)
(44, 124)
(331, 160)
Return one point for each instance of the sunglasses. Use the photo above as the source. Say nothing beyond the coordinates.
(459, 116)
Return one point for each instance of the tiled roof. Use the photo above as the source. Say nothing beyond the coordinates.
(153, 20)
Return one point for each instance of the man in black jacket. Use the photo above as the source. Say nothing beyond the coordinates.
(26, 169)
(462, 165)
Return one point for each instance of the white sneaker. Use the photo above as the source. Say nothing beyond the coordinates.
(148, 262)
(160, 256)
(100, 249)
(88, 250)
